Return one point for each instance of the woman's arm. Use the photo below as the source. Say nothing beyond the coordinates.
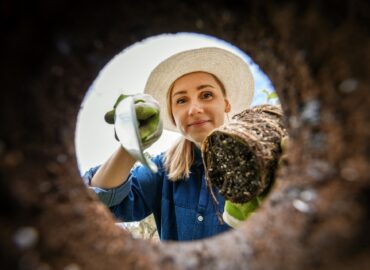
(114, 171)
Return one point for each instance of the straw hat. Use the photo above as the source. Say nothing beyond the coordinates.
(229, 68)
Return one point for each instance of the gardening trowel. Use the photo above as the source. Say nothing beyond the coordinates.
(127, 130)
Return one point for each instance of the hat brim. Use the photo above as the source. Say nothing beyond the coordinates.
(232, 71)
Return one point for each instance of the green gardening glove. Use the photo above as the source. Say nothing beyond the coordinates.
(148, 117)
(235, 213)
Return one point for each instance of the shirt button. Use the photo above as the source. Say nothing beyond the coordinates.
(200, 218)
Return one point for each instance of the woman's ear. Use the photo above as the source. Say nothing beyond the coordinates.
(228, 105)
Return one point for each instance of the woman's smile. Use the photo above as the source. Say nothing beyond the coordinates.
(199, 123)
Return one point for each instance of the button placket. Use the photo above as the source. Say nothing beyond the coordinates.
(203, 198)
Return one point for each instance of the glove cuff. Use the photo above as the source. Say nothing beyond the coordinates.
(230, 220)
(235, 213)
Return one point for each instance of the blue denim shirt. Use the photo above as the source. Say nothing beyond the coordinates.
(183, 210)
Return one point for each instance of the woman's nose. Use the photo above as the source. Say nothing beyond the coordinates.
(195, 108)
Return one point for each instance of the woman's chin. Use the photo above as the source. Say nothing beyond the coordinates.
(198, 138)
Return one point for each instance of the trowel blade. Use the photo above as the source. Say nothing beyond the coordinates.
(127, 130)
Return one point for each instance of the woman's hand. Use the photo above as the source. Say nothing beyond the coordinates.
(235, 213)
(148, 117)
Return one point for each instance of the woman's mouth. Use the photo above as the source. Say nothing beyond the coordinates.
(198, 123)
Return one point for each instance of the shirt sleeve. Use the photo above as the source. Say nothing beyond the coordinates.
(137, 197)
(110, 197)
(145, 196)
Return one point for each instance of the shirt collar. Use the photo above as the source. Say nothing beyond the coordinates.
(197, 156)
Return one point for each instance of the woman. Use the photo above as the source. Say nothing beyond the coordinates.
(199, 88)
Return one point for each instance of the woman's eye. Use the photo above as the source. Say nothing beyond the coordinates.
(207, 95)
(180, 101)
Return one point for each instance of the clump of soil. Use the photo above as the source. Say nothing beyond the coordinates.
(241, 156)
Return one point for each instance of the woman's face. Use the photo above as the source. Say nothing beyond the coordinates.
(198, 105)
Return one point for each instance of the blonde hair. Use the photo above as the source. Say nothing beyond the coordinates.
(179, 158)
